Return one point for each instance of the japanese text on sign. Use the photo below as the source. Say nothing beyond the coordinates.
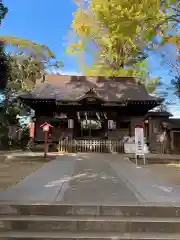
(139, 141)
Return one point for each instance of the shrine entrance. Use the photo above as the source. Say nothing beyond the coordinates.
(90, 125)
(92, 129)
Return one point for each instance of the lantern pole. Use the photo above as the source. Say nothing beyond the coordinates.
(46, 143)
(45, 128)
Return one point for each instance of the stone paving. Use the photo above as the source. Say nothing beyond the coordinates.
(148, 185)
(42, 184)
(93, 178)
(81, 178)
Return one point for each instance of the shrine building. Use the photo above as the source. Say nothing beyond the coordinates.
(91, 108)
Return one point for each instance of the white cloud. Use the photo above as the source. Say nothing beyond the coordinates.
(176, 115)
(175, 110)
(71, 73)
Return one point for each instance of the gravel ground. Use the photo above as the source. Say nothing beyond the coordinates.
(168, 172)
(13, 171)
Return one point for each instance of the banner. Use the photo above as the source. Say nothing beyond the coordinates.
(31, 127)
(70, 123)
(111, 124)
(139, 141)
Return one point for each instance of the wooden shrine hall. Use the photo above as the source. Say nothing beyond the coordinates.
(98, 108)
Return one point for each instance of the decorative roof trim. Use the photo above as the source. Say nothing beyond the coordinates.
(78, 101)
(90, 93)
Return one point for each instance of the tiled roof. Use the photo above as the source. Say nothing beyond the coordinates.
(109, 89)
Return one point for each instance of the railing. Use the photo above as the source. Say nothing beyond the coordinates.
(102, 146)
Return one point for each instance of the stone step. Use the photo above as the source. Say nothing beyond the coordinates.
(86, 236)
(89, 210)
(90, 224)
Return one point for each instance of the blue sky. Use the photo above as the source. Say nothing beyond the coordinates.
(49, 22)
(45, 22)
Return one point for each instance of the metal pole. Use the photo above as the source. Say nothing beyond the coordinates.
(136, 159)
(45, 143)
(144, 159)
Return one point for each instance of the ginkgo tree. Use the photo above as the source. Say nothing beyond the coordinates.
(173, 19)
(116, 35)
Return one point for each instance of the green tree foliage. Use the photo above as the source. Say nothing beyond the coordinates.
(4, 68)
(23, 71)
(36, 56)
(19, 72)
(173, 65)
(173, 19)
(141, 70)
(3, 58)
(40, 51)
(116, 35)
(119, 30)
(3, 11)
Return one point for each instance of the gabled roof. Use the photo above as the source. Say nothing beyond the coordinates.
(71, 88)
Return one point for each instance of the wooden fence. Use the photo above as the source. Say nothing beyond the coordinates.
(101, 146)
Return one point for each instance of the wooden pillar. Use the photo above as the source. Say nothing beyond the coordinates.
(172, 140)
(35, 127)
(130, 129)
(146, 129)
(150, 128)
(70, 128)
(106, 128)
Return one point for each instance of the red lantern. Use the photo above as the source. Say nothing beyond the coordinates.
(46, 126)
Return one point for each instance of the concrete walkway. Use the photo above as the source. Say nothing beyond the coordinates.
(35, 187)
(146, 184)
(82, 178)
(93, 178)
